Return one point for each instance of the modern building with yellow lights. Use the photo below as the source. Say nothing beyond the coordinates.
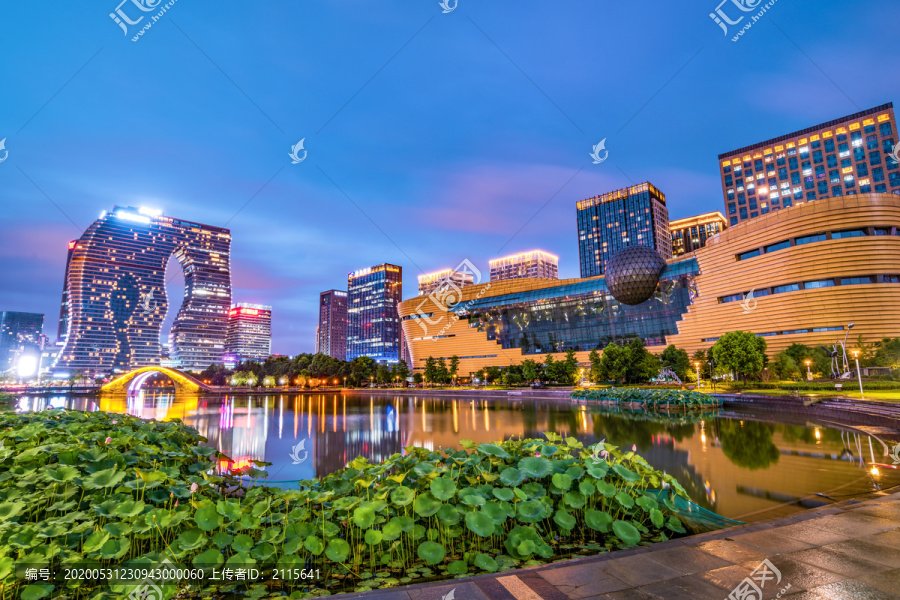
(852, 155)
(429, 282)
(812, 270)
(691, 233)
(525, 265)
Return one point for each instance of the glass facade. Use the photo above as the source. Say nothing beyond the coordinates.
(535, 263)
(847, 156)
(20, 333)
(115, 299)
(627, 217)
(331, 334)
(584, 316)
(249, 332)
(373, 321)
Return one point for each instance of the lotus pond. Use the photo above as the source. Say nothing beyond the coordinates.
(408, 511)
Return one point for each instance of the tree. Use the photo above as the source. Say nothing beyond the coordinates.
(741, 352)
(454, 367)
(491, 374)
(596, 370)
(441, 373)
(549, 367)
(430, 369)
(530, 370)
(401, 370)
(677, 360)
(643, 365)
(785, 366)
(268, 381)
(417, 378)
(614, 363)
(570, 366)
(382, 373)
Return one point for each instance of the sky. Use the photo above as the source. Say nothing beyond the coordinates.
(430, 137)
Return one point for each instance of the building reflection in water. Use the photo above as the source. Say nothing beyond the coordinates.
(734, 464)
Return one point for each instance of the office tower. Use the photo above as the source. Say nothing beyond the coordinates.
(249, 332)
(432, 281)
(851, 155)
(64, 305)
(691, 233)
(116, 294)
(631, 216)
(374, 324)
(331, 334)
(534, 263)
(20, 335)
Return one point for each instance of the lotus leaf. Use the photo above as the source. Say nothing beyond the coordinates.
(337, 550)
(485, 562)
(426, 505)
(402, 496)
(493, 450)
(443, 488)
(480, 523)
(626, 532)
(511, 477)
(564, 519)
(534, 467)
(431, 552)
(562, 481)
(597, 520)
(363, 517)
(624, 499)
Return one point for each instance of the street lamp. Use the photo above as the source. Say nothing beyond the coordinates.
(808, 372)
(581, 383)
(697, 364)
(858, 372)
(371, 381)
(397, 381)
(345, 381)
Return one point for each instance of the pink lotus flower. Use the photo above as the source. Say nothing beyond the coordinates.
(537, 454)
(604, 454)
(194, 487)
(176, 504)
(108, 440)
(114, 422)
(634, 447)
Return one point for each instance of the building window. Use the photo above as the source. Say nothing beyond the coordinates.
(733, 221)
(848, 233)
(749, 254)
(820, 283)
(878, 174)
(886, 129)
(778, 246)
(872, 142)
(732, 208)
(856, 280)
(809, 239)
(862, 169)
(832, 161)
(790, 287)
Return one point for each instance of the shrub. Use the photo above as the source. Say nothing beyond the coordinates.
(109, 490)
(650, 399)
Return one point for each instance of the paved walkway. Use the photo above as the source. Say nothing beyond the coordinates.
(846, 551)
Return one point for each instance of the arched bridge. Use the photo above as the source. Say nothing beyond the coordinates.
(133, 380)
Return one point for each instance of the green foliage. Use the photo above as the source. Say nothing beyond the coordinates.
(153, 492)
(748, 444)
(677, 360)
(650, 399)
(741, 352)
(627, 364)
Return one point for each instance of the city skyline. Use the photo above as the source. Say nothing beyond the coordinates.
(473, 187)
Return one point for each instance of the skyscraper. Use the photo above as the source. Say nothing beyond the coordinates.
(64, 305)
(534, 263)
(20, 333)
(116, 295)
(331, 334)
(431, 281)
(374, 324)
(691, 233)
(249, 332)
(632, 216)
(846, 156)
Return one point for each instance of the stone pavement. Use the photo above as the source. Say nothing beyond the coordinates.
(849, 550)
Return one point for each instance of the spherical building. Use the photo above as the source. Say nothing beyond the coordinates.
(632, 274)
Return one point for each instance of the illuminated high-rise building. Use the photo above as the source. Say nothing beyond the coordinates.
(453, 277)
(632, 216)
(847, 156)
(524, 265)
(331, 334)
(116, 295)
(64, 305)
(374, 324)
(249, 332)
(20, 335)
(691, 233)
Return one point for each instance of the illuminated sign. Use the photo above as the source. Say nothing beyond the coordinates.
(883, 118)
(130, 216)
(72, 245)
(854, 126)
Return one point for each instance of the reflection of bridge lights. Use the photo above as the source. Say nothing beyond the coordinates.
(817, 433)
(874, 471)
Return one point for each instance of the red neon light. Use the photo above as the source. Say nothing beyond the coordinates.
(71, 245)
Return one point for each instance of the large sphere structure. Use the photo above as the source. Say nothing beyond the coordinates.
(632, 274)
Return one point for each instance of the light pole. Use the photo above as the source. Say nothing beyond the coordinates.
(697, 364)
(808, 372)
(345, 381)
(858, 372)
(581, 383)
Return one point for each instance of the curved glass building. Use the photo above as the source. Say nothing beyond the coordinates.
(115, 294)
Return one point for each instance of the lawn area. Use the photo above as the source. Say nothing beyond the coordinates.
(875, 395)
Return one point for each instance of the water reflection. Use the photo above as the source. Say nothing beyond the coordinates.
(738, 465)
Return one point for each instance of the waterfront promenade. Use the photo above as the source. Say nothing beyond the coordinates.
(844, 551)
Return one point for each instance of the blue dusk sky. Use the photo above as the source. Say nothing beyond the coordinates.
(432, 137)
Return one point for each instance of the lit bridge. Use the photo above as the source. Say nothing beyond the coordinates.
(133, 380)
